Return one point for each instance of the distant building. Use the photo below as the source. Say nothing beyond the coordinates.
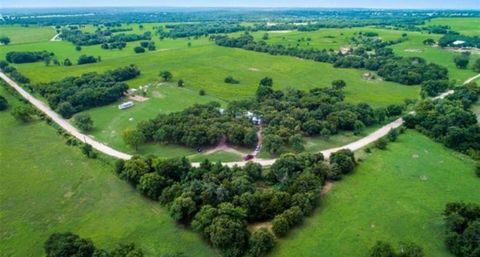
(125, 105)
(254, 118)
(458, 43)
(221, 111)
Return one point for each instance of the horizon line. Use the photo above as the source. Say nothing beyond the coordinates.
(243, 7)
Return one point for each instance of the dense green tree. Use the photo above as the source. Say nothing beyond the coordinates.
(68, 245)
(151, 185)
(382, 249)
(139, 49)
(166, 75)
(260, 243)
(338, 84)
(83, 121)
(345, 160)
(126, 250)
(22, 113)
(180, 83)
(182, 209)
(280, 226)
(381, 143)
(133, 137)
(461, 61)
(3, 103)
(4, 40)
(408, 249)
(134, 169)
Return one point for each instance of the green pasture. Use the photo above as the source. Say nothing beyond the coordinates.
(469, 26)
(204, 66)
(414, 47)
(394, 195)
(50, 187)
(30, 34)
(324, 38)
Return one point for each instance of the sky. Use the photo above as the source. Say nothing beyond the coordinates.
(391, 4)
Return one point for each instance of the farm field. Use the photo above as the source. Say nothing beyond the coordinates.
(206, 66)
(323, 38)
(394, 195)
(466, 26)
(49, 187)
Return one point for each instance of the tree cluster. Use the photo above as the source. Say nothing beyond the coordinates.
(75, 94)
(104, 37)
(197, 126)
(447, 40)
(219, 201)
(86, 59)
(71, 245)
(198, 29)
(407, 249)
(463, 229)
(450, 121)
(26, 57)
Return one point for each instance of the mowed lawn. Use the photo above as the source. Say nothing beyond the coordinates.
(32, 33)
(469, 26)
(49, 187)
(394, 195)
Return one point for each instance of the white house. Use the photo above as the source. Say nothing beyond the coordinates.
(458, 42)
(125, 105)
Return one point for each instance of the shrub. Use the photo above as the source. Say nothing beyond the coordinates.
(261, 242)
(381, 144)
(139, 49)
(22, 113)
(382, 249)
(231, 80)
(85, 59)
(202, 92)
(68, 244)
(3, 103)
(83, 121)
(477, 171)
(280, 226)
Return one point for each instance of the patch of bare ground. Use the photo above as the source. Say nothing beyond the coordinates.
(326, 188)
(138, 98)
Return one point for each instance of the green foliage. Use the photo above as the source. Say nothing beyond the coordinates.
(68, 245)
(88, 151)
(3, 103)
(461, 61)
(133, 137)
(280, 226)
(392, 135)
(463, 227)
(477, 171)
(381, 143)
(230, 80)
(83, 121)
(26, 57)
(22, 113)
(182, 209)
(261, 242)
(180, 83)
(166, 75)
(4, 40)
(86, 59)
(139, 49)
(382, 249)
(344, 159)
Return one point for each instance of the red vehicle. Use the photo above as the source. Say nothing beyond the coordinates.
(248, 157)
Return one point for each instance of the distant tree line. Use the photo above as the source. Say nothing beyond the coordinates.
(75, 94)
(105, 37)
(408, 71)
(463, 229)
(450, 121)
(198, 29)
(26, 57)
(219, 202)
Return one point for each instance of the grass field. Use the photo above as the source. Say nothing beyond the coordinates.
(324, 38)
(21, 35)
(387, 199)
(49, 187)
(466, 26)
(415, 47)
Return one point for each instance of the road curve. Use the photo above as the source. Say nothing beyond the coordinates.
(372, 137)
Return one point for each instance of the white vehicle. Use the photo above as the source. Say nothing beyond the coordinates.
(125, 105)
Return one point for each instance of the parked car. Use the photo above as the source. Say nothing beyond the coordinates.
(248, 157)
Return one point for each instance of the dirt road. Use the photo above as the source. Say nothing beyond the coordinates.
(381, 132)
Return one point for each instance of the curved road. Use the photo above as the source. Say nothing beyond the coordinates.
(381, 132)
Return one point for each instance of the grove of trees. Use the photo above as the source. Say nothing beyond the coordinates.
(463, 229)
(26, 57)
(219, 202)
(75, 94)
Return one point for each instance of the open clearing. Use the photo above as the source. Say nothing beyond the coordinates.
(466, 26)
(21, 35)
(386, 199)
(49, 187)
